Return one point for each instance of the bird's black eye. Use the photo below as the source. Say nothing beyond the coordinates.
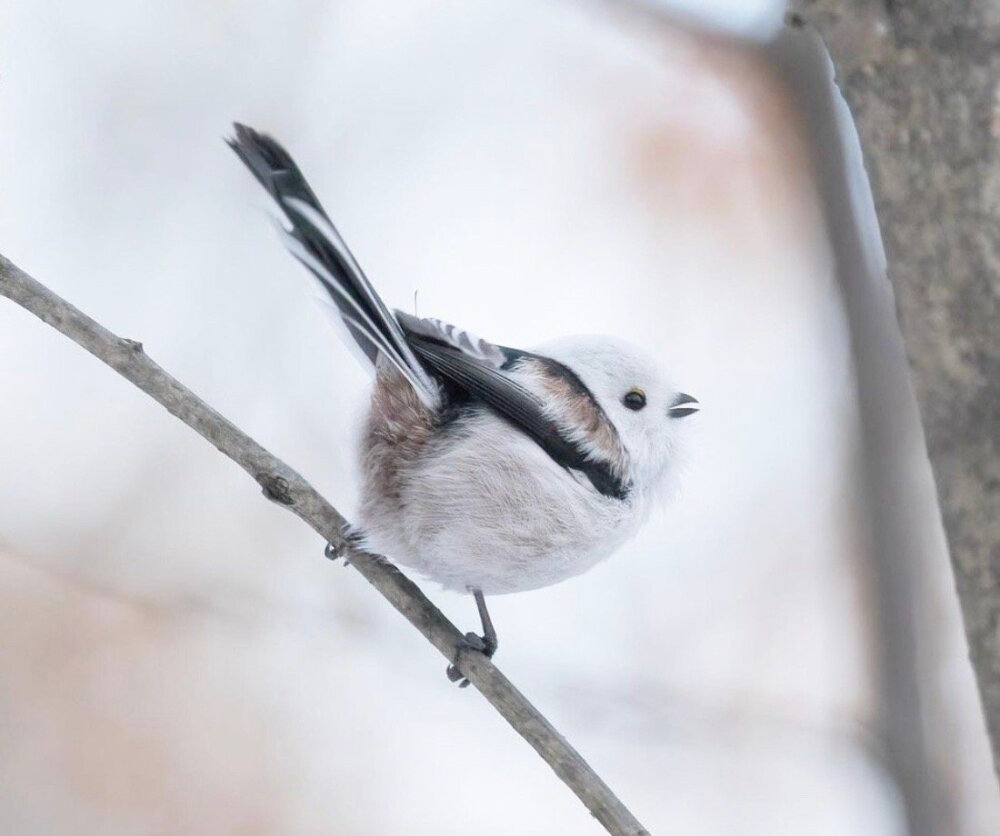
(635, 399)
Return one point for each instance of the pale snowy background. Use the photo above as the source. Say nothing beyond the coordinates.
(176, 655)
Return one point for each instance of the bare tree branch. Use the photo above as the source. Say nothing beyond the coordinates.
(284, 486)
(925, 96)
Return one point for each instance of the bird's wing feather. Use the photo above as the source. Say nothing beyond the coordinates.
(488, 384)
(442, 332)
(486, 372)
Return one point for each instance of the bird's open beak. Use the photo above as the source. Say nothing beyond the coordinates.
(683, 406)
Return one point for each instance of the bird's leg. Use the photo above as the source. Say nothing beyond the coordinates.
(490, 640)
(486, 643)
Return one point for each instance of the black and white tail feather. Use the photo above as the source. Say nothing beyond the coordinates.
(433, 356)
(312, 238)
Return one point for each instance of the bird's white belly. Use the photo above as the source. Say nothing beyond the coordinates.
(487, 508)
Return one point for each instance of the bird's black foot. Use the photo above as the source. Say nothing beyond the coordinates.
(480, 644)
(486, 644)
(352, 535)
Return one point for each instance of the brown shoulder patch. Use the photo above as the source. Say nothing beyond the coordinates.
(574, 406)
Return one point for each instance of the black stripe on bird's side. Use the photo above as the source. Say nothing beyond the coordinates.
(600, 474)
(510, 400)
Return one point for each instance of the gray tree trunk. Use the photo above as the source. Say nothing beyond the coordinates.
(922, 79)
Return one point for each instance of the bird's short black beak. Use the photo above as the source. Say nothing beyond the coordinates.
(683, 406)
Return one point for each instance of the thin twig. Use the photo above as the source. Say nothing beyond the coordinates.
(284, 486)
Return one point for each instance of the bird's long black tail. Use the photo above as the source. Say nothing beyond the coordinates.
(312, 238)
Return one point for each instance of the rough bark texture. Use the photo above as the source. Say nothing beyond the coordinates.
(922, 79)
(285, 487)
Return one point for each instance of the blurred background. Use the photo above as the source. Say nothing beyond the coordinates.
(175, 653)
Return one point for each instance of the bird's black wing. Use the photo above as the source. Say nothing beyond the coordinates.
(485, 372)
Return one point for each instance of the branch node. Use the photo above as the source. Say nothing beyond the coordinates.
(275, 488)
(132, 345)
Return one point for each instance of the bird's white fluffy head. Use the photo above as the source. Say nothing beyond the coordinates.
(654, 433)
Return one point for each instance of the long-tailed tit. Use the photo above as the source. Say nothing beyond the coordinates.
(488, 469)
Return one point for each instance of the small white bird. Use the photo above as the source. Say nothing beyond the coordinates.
(488, 469)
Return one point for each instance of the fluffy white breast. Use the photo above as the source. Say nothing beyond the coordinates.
(485, 507)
